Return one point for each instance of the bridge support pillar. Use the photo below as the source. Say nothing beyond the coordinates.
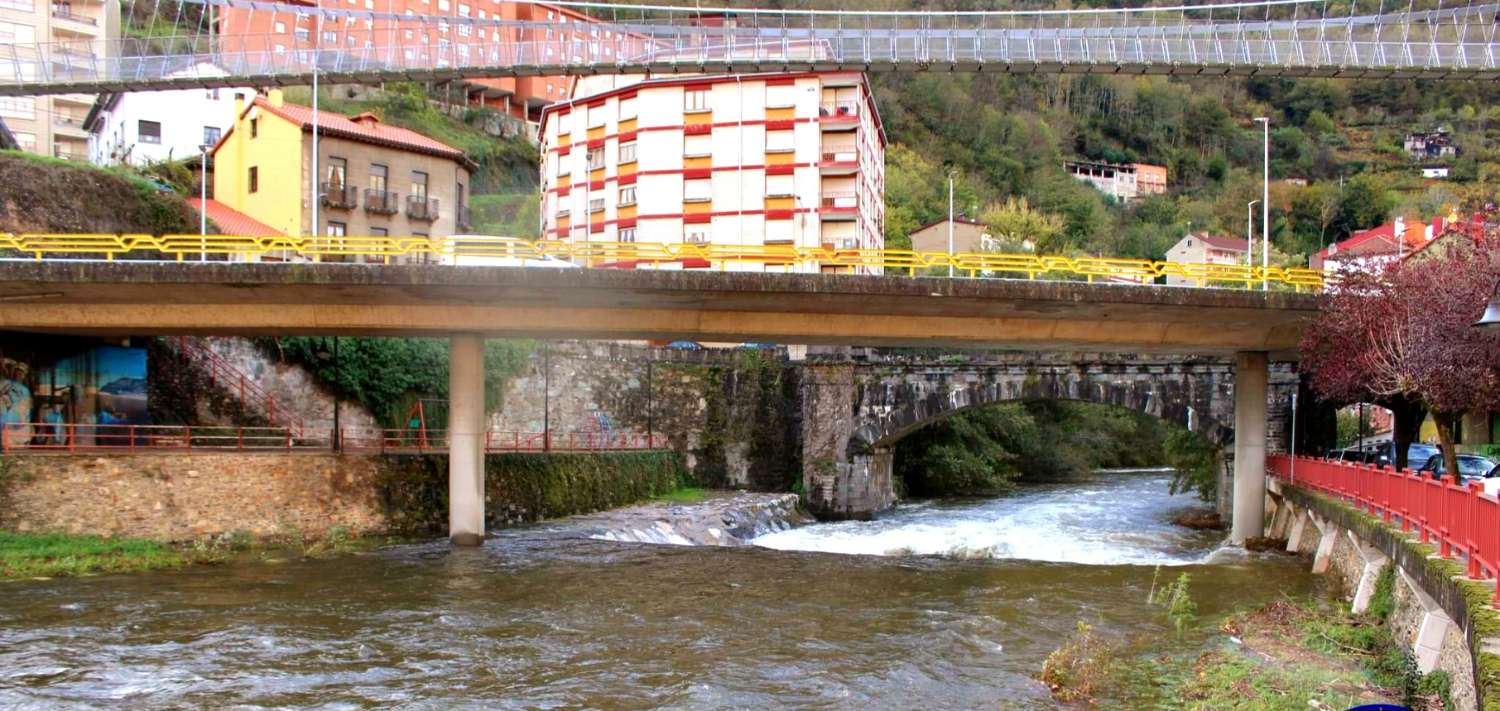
(1251, 376)
(466, 439)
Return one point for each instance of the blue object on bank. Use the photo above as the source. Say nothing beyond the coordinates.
(1380, 707)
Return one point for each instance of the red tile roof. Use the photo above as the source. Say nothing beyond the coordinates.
(365, 127)
(234, 222)
(1376, 241)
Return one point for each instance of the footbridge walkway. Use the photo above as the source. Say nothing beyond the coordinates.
(179, 43)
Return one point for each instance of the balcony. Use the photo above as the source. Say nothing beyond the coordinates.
(339, 196)
(421, 208)
(838, 115)
(71, 125)
(839, 160)
(464, 216)
(382, 202)
(69, 154)
(839, 206)
(73, 22)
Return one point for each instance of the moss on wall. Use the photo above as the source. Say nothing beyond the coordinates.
(520, 488)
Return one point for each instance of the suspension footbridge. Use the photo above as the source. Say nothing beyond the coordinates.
(210, 43)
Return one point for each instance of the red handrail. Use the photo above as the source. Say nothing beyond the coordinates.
(1462, 519)
(244, 386)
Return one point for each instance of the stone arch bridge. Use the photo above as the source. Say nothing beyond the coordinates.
(854, 410)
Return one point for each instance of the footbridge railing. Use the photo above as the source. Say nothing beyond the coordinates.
(68, 437)
(1463, 521)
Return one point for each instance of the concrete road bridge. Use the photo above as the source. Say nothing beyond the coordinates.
(173, 43)
(471, 303)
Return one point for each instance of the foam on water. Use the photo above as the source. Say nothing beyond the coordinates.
(1107, 518)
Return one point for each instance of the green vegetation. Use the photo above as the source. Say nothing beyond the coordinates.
(1194, 461)
(988, 450)
(387, 375)
(414, 489)
(683, 495)
(54, 554)
(30, 555)
(1289, 655)
(42, 194)
(1175, 599)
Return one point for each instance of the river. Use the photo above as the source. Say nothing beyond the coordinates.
(836, 616)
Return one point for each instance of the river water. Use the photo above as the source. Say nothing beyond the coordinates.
(835, 616)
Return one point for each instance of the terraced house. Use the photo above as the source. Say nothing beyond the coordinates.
(751, 160)
(371, 179)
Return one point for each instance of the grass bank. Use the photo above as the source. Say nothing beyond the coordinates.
(683, 495)
(1293, 654)
(50, 555)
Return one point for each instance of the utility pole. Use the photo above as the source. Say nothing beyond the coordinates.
(1250, 238)
(203, 202)
(547, 396)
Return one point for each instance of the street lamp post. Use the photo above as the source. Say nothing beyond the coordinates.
(1250, 237)
(1265, 202)
(1490, 321)
(203, 203)
(950, 224)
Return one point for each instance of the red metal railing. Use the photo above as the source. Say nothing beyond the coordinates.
(222, 372)
(71, 437)
(67, 437)
(1461, 520)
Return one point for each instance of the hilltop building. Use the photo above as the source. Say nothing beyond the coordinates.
(81, 33)
(1123, 182)
(1429, 145)
(472, 33)
(1205, 248)
(773, 159)
(373, 179)
(1371, 248)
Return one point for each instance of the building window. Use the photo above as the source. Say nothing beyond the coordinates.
(627, 153)
(695, 234)
(254, 127)
(695, 100)
(697, 146)
(419, 185)
(596, 204)
(378, 175)
(379, 232)
(780, 142)
(280, 28)
(780, 97)
(596, 158)
(210, 135)
(21, 107)
(627, 234)
(597, 115)
(627, 108)
(148, 131)
(779, 186)
(254, 179)
(697, 190)
(337, 229)
(338, 172)
(627, 195)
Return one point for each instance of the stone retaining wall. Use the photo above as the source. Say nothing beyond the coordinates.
(1431, 616)
(187, 496)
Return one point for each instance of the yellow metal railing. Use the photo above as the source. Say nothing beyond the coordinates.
(602, 254)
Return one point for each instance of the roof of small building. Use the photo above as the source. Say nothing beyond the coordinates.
(232, 221)
(365, 127)
(1232, 244)
(960, 220)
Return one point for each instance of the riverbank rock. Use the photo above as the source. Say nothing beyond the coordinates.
(721, 519)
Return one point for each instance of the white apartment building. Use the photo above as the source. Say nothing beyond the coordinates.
(152, 126)
(78, 30)
(765, 159)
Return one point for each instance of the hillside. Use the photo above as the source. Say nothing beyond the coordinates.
(49, 195)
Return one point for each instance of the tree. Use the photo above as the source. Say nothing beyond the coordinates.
(1400, 336)
(1015, 221)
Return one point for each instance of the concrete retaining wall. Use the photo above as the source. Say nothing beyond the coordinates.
(1432, 616)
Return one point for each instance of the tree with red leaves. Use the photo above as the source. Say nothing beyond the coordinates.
(1401, 337)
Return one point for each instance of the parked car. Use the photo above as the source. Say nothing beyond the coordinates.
(1471, 467)
(1385, 454)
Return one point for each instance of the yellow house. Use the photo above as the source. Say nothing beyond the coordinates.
(372, 178)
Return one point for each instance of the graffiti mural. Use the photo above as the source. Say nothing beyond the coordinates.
(54, 390)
